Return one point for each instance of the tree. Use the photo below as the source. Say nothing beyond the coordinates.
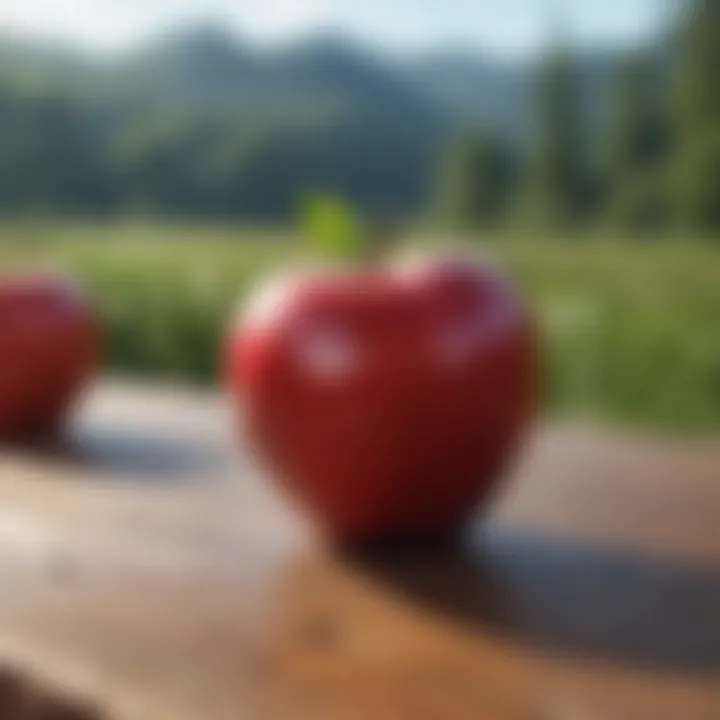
(636, 152)
(558, 188)
(696, 186)
(48, 162)
(476, 181)
(379, 167)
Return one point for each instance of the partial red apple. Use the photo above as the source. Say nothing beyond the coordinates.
(388, 401)
(48, 350)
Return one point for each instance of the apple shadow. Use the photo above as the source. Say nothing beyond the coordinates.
(122, 454)
(567, 597)
(147, 457)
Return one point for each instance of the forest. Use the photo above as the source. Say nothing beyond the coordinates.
(201, 124)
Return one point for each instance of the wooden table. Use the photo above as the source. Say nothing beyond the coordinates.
(146, 566)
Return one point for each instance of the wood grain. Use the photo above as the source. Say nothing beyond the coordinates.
(147, 568)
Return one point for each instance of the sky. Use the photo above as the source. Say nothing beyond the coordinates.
(510, 27)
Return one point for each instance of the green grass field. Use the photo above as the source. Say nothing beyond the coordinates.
(631, 329)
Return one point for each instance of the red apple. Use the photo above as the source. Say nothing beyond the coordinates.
(48, 349)
(388, 401)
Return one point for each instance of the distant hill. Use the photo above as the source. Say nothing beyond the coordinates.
(198, 112)
(208, 69)
(474, 89)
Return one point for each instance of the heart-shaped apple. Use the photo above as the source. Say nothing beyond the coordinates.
(48, 349)
(388, 401)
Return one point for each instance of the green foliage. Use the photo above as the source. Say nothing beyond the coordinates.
(477, 182)
(629, 330)
(697, 182)
(48, 161)
(640, 204)
(196, 125)
(637, 133)
(627, 327)
(332, 229)
(557, 184)
(199, 126)
(697, 94)
(635, 179)
(697, 119)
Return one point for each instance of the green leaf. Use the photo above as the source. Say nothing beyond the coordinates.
(332, 228)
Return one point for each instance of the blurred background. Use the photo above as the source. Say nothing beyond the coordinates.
(159, 150)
